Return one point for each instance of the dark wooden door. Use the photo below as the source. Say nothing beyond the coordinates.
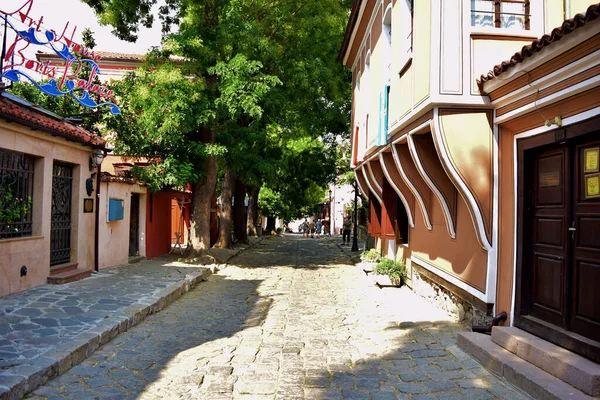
(561, 272)
(548, 219)
(134, 225)
(585, 301)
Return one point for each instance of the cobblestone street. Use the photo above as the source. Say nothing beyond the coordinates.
(290, 318)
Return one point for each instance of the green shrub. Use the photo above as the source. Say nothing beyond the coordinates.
(371, 255)
(279, 230)
(395, 270)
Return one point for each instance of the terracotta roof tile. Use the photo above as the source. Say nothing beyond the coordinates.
(592, 13)
(27, 114)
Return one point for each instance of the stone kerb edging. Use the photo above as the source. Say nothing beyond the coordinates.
(25, 378)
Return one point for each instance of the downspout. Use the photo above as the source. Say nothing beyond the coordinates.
(567, 4)
(97, 227)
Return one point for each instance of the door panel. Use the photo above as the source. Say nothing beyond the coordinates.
(585, 313)
(549, 212)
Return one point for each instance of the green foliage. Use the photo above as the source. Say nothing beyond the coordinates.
(266, 81)
(279, 230)
(395, 270)
(371, 255)
(13, 209)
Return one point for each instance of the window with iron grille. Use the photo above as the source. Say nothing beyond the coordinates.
(16, 194)
(507, 14)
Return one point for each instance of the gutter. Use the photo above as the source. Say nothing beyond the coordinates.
(349, 29)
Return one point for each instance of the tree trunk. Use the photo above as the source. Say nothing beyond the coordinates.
(252, 210)
(225, 213)
(202, 195)
(239, 211)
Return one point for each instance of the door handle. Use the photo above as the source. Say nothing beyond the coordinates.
(572, 229)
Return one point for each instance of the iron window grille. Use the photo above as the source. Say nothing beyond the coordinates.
(16, 194)
(501, 14)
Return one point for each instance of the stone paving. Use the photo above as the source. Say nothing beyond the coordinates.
(288, 319)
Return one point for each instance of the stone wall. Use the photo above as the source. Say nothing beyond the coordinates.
(466, 312)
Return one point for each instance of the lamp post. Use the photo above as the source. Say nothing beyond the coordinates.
(330, 219)
(355, 236)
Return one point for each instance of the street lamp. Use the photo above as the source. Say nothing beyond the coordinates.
(330, 220)
(355, 236)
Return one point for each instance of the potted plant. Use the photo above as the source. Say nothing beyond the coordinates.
(369, 258)
(389, 273)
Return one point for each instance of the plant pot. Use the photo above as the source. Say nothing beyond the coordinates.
(385, 281)
(365, 266)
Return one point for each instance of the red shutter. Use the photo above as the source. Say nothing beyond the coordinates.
(388, 211)
(374, 217)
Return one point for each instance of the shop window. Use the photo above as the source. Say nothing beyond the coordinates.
(504, 14)
(16, 194)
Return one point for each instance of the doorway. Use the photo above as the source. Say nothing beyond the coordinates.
(134, 226)
(60, 225)
(560, 267)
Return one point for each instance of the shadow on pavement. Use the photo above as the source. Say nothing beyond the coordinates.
(200, 323)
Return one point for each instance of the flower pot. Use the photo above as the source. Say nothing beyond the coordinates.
(365, 266)
(385, 281)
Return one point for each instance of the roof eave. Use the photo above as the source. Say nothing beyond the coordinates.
(349, 29)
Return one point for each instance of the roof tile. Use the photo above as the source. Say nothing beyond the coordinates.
(20, 113)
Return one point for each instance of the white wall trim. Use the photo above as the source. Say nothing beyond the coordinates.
(375, 194)
(450, 278)
(533, 132)
(553, 98)
(551, 79)
(446, 210)
(362, 190)
(412, 188)
(375, 183)
(397, 190)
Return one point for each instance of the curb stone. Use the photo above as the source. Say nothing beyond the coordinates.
(17, 381)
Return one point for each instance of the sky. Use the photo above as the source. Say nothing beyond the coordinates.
(57, 13)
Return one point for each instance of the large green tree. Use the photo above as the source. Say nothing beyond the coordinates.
(260, 77)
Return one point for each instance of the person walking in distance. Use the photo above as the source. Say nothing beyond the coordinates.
(346, 230)
(318, 228)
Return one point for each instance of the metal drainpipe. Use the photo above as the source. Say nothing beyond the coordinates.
(97, 227)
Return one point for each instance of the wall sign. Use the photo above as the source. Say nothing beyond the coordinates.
(88, 206)
(591, 159)
(592, 186)
(549, 179)
(29, 32)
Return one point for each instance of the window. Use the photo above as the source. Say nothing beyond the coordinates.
(506, 14)
(406, 32)
(16, 194)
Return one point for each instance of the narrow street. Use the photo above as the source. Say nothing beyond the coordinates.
(290, 318)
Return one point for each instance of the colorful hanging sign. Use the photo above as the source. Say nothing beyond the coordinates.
(29, 32)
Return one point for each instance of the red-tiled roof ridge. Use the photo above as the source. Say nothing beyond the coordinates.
(28, 116)
(568, 26)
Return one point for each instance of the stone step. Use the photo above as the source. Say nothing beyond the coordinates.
(529, 378)
(57, 269)
(562, 363)
(69, 276)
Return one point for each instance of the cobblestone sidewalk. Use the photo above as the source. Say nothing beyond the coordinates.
(290, 319)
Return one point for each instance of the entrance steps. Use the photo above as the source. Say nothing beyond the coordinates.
(540, 368)
(67, 273)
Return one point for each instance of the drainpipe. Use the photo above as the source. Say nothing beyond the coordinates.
(97, 227)
(567, 9)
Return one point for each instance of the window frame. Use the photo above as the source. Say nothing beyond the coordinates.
(22, 168)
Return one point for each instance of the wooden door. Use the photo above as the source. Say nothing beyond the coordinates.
(547, 217)
(134, 225)
(585, 235)
(561, 270)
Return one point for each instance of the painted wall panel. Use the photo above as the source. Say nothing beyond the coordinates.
(451, 47)
(487, 53)
(462, 257)
(468, 140)
(555, 12)
(422, 49)
(406, 93)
